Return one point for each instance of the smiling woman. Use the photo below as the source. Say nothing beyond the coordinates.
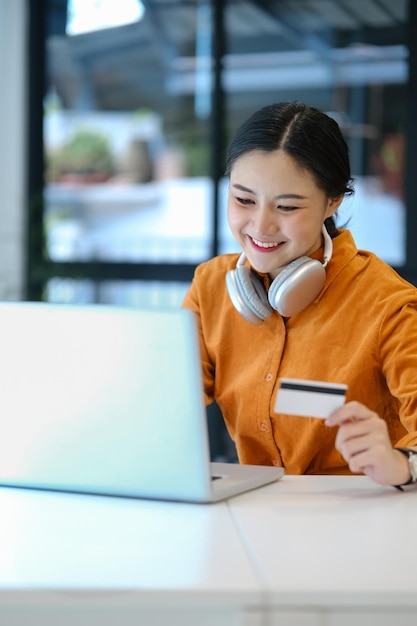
(289, 171)
(280, 218)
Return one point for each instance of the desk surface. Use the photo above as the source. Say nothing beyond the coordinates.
(306, 541)
(330, 540)
(65, 541)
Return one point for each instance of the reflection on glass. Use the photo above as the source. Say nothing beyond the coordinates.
(127, 156)
(88, 15)
(140, 294)
(127, 127)
(350, 65)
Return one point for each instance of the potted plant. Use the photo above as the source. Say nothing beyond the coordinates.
(86, 158)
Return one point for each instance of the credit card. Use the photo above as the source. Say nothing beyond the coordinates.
(309, 398)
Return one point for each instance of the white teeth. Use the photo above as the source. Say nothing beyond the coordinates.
(262, 244)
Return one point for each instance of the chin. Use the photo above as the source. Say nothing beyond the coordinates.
(263, 268)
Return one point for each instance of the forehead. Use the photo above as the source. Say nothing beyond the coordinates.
(275, 168)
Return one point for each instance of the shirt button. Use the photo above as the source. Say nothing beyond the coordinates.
(276, 463)
(264, 427)
(268, 377)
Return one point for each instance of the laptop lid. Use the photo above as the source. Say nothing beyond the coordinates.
(106, 400)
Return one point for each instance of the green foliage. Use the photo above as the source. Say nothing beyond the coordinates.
(86, 152)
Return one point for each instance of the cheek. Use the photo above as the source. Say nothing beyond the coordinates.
(234, 217)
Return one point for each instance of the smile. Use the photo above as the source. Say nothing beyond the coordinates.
(265, 244)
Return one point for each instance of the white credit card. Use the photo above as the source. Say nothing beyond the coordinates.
(309, 398)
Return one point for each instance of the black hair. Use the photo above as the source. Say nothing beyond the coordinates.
(310, 137)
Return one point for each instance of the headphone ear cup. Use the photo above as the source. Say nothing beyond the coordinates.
(248, 294)
(296, 286)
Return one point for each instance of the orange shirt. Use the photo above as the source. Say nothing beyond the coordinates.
(361, 330)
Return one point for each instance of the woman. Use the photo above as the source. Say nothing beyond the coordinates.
(302, 302)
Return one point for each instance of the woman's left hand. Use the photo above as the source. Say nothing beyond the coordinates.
(363, 441)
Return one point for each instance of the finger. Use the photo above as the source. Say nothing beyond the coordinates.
(373, 429)
(360, 435)
(349, 448)
(365, 452)
(361, 463)
(358, 454)
(349, 412)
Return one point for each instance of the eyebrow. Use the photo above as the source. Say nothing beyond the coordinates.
(294, 196)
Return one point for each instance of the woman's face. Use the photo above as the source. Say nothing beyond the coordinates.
(275, 209)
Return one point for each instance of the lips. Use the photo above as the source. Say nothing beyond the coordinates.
(265, 246)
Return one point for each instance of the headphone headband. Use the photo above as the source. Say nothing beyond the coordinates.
(328, 246)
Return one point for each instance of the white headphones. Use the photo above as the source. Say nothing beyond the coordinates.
(290, 292)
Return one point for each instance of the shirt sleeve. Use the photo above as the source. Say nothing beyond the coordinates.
(398, 341)
(193, 300)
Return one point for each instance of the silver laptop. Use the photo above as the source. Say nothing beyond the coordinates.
(108, 400)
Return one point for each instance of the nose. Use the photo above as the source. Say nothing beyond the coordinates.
(265, 221)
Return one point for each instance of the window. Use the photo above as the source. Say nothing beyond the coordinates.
(136, 117)
(349, 58)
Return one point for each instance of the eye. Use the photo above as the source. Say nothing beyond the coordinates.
(244, 201)
(286, 208)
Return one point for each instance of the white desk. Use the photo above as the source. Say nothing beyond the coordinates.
(307, 551)
(81, 560)
(333, 551)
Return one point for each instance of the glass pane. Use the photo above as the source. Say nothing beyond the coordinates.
(141, 294)
(126, 142)
(139, 95)
(348, 58)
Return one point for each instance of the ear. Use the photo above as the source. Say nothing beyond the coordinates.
(332, 205)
